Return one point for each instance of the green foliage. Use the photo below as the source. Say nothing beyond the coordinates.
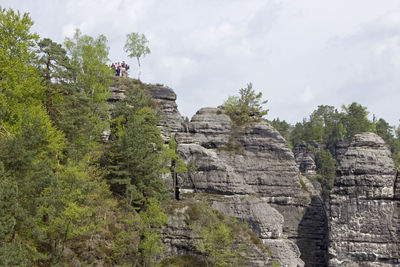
(219, 236)
(91, 80)
(326, 170)
(136, 45)
(20, 86)
(54, 68)
(324, 126)
(303, 184)
(282, 127)
(173, 159)
(327, 126)
(134, 158)
(184, 261)
(28, 171)
(153, 218)
(392, 139)
(355, 120)
(8, 204)
(246, 108)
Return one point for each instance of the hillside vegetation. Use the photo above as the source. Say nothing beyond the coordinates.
(68, 196)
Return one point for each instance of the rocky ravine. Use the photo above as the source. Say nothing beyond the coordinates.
(250, 173)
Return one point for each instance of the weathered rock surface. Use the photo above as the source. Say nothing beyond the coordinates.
(249, 161)
(172, 122)
(364, 212)
(252, 160)
(180, 238)
(251, 174)
(305, 159)
(265, 221)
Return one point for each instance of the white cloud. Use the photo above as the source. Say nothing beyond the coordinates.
(68, 30)
(307, 95)
(299, 53)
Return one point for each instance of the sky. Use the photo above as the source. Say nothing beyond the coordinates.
(299, 54)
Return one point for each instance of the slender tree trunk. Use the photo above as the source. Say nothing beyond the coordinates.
(139, 67)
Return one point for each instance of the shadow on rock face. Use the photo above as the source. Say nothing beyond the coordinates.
(313, 234)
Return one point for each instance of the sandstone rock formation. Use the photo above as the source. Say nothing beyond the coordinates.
(250, 173)
(364, 209)
(254, 161)
(305, 159)
(181, 238)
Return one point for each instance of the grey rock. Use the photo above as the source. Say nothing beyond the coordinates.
(171, 120)
(284, 247)
(211, 127)
(254, 160)
(255, 173)
(305, 159)
(363, 210)
(264, 220)
(180, 239)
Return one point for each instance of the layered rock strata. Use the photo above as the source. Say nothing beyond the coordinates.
(265, 221)
(364, 209)
(251, 174)
(249, 161)
(305, 158)
(181, 239)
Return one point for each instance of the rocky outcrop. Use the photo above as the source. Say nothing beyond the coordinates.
(181, 237)
(171, 121)
(255, 162)
(305, 158)
(247, 160)
(265, 221)
(250, 173)
(364, 211)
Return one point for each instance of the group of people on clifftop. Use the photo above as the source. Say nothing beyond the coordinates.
(121, 69)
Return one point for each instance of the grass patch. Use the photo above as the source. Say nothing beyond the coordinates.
(183, 261)
(234, 145)
(303, 185)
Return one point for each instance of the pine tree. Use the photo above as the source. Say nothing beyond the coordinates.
(355, 120)
(135, 158)
(87, 109)
(246, 108)
(56, 72)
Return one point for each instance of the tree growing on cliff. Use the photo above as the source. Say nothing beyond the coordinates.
(53, 66)
(326, 170)
(136, 45)
(355, 120)
(134, 159)
(91, 79)
(247, 107)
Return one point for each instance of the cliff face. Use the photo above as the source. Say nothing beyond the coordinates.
(256, 163)
(250, 173)
(364, 206)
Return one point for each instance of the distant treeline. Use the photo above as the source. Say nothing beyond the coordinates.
(326, 126)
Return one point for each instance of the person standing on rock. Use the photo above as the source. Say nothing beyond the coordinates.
(126, 69)
(123, 68)
(112, 66)
(118, 69)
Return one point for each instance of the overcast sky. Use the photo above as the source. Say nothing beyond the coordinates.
(298, 53)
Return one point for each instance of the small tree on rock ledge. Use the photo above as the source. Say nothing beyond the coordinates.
(246, 108)
(136, 46)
